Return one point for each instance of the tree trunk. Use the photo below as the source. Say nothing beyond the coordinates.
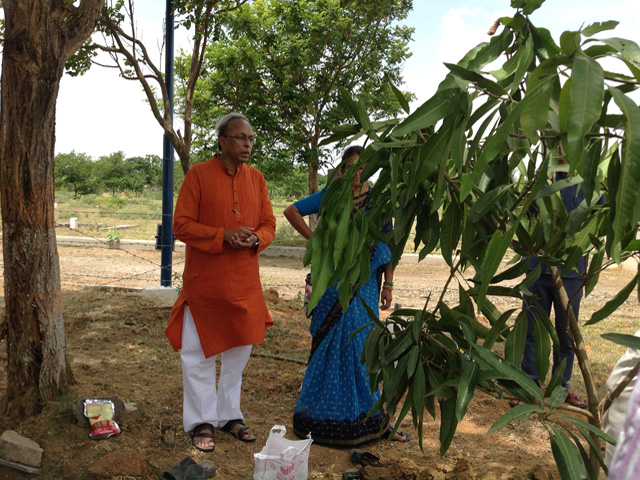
(585, 366)
(40, 36)
(313, 187)
(313, 177)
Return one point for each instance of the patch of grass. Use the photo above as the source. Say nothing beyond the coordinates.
(287, 236)
(97, 213)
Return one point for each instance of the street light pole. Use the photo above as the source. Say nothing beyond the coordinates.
(166, 233)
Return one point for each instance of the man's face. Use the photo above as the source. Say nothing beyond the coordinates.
(236, 144)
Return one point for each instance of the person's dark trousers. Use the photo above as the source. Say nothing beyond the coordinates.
(547, 294)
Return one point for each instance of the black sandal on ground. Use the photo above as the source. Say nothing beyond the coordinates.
(389, 434)
(200, 432)
(240, 433)
(179, 472)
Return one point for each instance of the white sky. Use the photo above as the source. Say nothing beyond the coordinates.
(100, 113)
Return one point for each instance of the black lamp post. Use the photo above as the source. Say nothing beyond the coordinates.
(166, 231)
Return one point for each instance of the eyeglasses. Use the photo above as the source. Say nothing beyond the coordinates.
(241, 138)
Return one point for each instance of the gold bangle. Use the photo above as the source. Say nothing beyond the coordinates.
(388, 287)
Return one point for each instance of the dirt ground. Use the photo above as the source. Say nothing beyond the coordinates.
(117, 348)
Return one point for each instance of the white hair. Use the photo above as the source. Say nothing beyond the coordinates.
(221, 125)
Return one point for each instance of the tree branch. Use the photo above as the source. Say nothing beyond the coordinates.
(615, 393)
(582, 356)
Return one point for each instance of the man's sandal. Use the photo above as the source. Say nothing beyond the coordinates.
(204, 430)
(179, 472)
(241, 433)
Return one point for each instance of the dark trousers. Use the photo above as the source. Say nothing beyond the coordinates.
(547, 294)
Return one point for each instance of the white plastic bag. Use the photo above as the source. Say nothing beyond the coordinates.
(282, 459)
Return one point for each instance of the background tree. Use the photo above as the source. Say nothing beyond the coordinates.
(472, 169)
(136, 61)
(144, 172)
(82, 175)
(74, 171)
(282, 64)
(39, 37)
(112, 174)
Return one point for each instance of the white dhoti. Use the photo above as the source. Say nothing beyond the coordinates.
(203, 402)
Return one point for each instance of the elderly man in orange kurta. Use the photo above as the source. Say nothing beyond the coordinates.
(223, 214)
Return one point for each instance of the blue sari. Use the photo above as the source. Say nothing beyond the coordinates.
(336, 396)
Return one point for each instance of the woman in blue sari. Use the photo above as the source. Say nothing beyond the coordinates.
(336, 397)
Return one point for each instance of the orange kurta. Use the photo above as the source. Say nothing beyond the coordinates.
(221, 284)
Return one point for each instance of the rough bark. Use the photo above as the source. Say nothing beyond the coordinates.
(313, 188)
(40, 36)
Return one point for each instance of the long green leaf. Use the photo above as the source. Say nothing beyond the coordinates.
(402, 100)
(629, 51)
(518, 412)
(535, 116)
(431, 154)
(630, 341)
(419, 389)
(587, 92)
(450, 227)
(542, 350)
(399, 345)
(486, 202)
(613, 304)
(342, 235)
(531, 6)
(495, 144)
(514, 347)
(595, 448)
(514, 271)
(627, 194)
(485, 53)
(588, 426)
(557, 397)
(556, 380)
(598, 27)
(442, 104)
(594, 270)
(429, 225)
(586, 461)
(479, 80)
(545, 45)
(497, 329)
(468, 382)
(496, 249)
(507, 371)
(448, 423)
(544, 320)
(525, 57)
(567, 456)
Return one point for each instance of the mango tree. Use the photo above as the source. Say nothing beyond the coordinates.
(472, 169)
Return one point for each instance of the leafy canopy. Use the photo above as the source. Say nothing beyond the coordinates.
(282, 64)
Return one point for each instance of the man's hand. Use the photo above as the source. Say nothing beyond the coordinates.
(241, 238)
(238, 235)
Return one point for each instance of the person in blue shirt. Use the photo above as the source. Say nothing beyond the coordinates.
(336, 396)
(545, 295)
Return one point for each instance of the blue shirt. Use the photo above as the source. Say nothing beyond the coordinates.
(310, 204)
